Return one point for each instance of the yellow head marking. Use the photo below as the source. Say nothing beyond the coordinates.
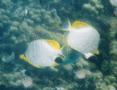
(79, 24)
(54, 44)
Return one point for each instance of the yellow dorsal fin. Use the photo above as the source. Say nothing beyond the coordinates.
(24, 58)
(79, 24)
(54, 44)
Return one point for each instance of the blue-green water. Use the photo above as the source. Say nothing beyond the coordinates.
(22, 21)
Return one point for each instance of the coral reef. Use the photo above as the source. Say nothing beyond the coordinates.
(94, 6)
(22, 21)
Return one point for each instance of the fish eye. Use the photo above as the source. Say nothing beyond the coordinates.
(59, 60)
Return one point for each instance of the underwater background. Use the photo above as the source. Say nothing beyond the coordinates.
(22, 21)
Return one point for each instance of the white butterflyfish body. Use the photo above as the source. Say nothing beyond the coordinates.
(83, 38)
(42, 53)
